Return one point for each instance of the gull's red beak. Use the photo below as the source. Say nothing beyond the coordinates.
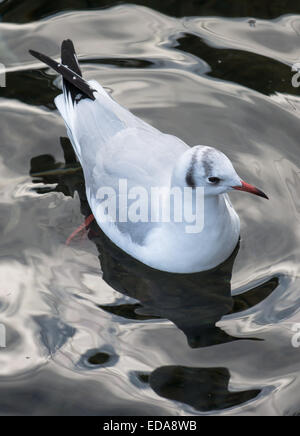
(252, 189)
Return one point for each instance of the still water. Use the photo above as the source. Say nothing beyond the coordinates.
(91, 331)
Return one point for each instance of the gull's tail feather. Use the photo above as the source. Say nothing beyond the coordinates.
(91, 116)
(75, 88)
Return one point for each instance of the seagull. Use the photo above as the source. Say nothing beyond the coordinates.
(114, 146)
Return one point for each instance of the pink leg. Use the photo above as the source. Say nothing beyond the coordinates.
(81, 228)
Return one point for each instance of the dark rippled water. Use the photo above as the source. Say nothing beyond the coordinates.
(91, 331)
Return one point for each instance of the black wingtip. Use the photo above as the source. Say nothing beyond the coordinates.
(69, 75)
(45, 59)
(69, 57)
(35, 54)
(68, 44)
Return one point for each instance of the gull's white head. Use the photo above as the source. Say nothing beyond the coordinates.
(203, 166)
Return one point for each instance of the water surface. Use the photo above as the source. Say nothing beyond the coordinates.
(87, 322)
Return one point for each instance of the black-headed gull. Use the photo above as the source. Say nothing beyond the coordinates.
(114, 147)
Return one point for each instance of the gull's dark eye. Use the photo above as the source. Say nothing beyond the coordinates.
(214, 180)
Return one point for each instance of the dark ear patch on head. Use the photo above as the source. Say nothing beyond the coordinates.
(189, 178)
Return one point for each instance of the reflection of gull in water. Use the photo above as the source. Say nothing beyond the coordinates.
(193, 302)
(112, 145)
